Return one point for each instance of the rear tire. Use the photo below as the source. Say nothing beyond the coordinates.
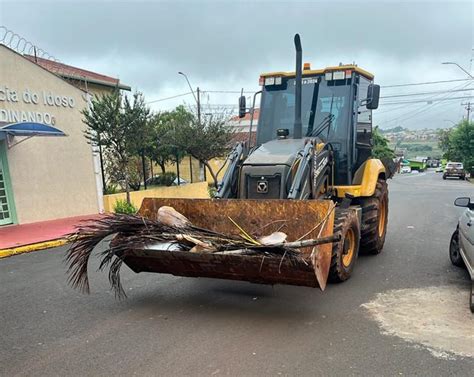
(454, 253)
(345, 251)
(374, 219)
(444, 176)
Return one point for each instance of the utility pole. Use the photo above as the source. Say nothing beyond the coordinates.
(198, 100)
(468, 108)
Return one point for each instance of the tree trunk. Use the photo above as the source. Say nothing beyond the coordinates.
(144, 169)
(162, 166)
(214, 176)
(127, 182)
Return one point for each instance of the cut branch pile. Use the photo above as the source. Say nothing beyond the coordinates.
(171, 228)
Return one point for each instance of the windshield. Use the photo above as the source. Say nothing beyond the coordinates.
(325, 109)
(325, 112)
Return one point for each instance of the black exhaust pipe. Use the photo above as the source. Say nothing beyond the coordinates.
(298, 128)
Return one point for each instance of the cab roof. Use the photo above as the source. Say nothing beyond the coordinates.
(312, 72)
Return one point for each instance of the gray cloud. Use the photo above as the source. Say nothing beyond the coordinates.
(225, 45)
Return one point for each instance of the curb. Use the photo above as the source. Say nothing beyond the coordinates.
(4, 253)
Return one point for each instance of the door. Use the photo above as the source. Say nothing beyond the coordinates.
(466, 235)
(6, 216)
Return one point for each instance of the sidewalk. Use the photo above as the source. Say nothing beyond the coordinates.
(17, 239)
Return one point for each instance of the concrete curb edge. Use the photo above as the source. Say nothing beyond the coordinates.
(4, 253)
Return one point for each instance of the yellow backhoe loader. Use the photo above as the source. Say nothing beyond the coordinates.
(310, 174)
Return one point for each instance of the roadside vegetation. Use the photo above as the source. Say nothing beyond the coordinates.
(131, 139)
(381, 148)
(457, 144)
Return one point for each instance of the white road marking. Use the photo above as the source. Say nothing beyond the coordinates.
(437, 318)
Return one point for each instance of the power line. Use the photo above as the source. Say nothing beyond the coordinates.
(227, 91)
(167, 98)
(424, 83)
(426, 100)
(425, 93)
(416, 112)
(383, 86)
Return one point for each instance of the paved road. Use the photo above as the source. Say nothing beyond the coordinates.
(183, 326)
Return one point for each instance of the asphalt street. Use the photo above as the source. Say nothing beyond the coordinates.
(172, 326)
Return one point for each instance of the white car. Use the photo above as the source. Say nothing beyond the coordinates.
(461, 247)
(405, 169)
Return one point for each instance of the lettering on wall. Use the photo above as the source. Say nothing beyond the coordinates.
(29, 97)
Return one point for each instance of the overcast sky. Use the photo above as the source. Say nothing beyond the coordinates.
(225, 45)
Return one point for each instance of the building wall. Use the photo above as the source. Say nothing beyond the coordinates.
(52, 177)
(190, 191)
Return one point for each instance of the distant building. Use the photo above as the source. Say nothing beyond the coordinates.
(241, 127)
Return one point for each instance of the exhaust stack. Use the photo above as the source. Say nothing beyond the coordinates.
(298, 127)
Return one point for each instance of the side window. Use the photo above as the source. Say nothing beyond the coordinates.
(364, 116)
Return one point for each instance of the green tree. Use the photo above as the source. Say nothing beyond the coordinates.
(119, 124)
(461, 144)
(444, 143)
(380, 147)
(164, 148)
(204, 140)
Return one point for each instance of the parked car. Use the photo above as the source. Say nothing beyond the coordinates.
(405, 169)
(182, 181)
(461, 247)
(454, 169)
(439, 169)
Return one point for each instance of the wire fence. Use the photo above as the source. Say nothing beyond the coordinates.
(40, 56)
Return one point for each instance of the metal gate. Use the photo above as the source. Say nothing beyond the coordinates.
(5, 211)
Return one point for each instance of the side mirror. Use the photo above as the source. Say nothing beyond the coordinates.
(373, 95)
(242, 107)
(462, 202)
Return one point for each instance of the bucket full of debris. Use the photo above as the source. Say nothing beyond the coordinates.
(259, 241)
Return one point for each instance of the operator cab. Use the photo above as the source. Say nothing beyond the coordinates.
(336, 108)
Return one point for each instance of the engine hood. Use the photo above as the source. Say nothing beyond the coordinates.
(276, 152)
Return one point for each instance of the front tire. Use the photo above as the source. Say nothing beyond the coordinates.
(374, 219)
(454, 253)
(345, 251)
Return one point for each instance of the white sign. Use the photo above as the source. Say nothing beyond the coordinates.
(47, 98)
(27, 96)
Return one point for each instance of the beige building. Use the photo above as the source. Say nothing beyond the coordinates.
(43, 178)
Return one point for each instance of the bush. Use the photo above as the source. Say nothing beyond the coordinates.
(123, 207)
(111, 189)
(211, 189)
(167, 178)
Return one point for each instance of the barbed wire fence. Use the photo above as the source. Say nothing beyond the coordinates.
(40, 56)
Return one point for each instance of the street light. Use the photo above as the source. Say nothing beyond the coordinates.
(189, 84)
(464, 70)
(198, 103)
(197, 99)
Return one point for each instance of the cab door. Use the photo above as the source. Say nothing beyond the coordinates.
(466, 235)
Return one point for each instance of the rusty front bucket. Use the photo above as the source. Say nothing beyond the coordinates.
(296, 218)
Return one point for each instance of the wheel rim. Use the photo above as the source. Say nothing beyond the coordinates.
(349, 248)
(382, 217)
